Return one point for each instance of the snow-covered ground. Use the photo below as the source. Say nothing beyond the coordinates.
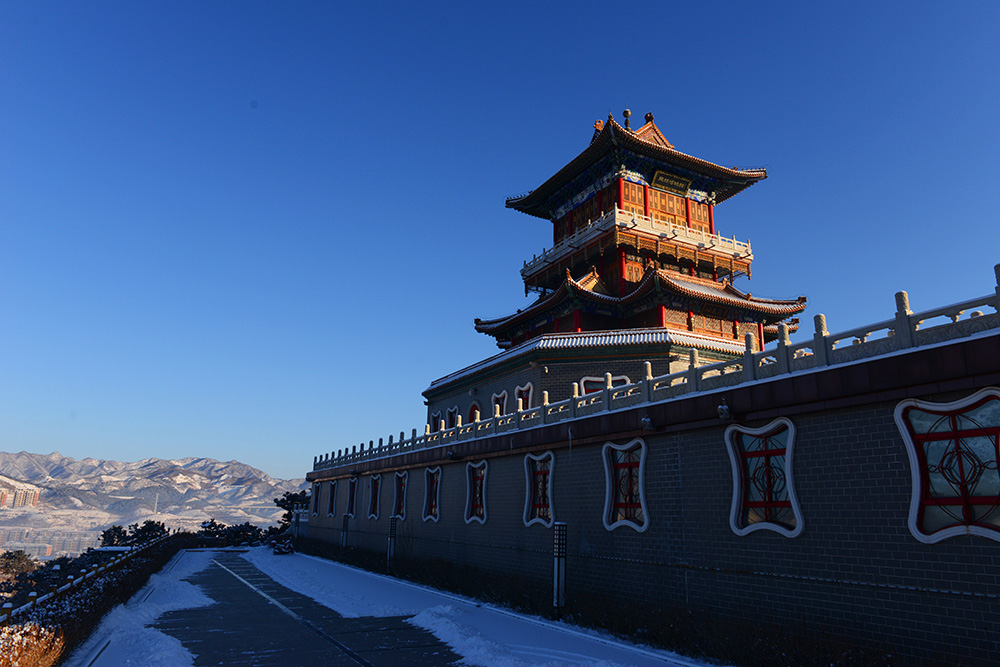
(482, 634)
(123, 639)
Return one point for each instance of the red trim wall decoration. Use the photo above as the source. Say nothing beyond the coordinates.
(954, 449)
(763, 488)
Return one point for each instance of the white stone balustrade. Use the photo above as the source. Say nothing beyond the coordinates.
(905, 330)
(627, 220)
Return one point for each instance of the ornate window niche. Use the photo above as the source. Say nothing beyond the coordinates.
(501, 401)
(524, 393)
(953, 452)
(624, 494)
(538, 489)
(475, 498)
(432, 486)
(763, 489)
(352, 496)
(399, 497)
(331, 501)
(316, 491)
(475, 414)
(374, 488)
(451, 417)
(435, 422)
(590, 384)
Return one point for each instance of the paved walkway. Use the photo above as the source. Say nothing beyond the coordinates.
(256, 621)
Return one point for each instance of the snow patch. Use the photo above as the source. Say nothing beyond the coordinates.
(124, 630)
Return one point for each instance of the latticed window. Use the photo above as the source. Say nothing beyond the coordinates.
(763, 489)
(399, 497)
(475, 503)
(953, 451)
(375, 485)
(432, 482)
(538, 483)
(317, 487)
(352, 495)
(524, 394)
(624, 499)
(331, 500)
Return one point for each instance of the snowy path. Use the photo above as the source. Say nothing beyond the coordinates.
(481, 634)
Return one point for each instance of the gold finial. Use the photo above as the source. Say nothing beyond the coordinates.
(627, 115)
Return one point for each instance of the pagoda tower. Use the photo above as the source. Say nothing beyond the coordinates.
(637, 270)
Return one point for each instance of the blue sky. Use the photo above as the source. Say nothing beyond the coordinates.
(257, 231)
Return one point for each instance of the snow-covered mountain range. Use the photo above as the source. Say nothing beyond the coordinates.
(89, 493)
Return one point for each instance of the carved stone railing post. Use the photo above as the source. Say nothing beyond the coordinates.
(782, 351)
(821, 348)
(572, 400)
(694, 381)
(520, 408)
(749, 364)
(606, 394)
(647, 383)
(904, 331)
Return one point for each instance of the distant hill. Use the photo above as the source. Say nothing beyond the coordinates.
(91, 494)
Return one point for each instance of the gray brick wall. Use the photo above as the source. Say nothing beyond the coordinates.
(855, 571)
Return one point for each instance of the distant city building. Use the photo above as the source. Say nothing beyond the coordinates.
(26, 497)
(33, 549)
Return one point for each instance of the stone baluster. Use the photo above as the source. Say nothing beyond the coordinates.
(647, 382)
(749, 363)
(781, 354)
(904, 331)
(606, 393)
(694, 379)
(572, 402)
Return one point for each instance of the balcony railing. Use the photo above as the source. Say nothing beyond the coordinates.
(626, 220)
(904, 331)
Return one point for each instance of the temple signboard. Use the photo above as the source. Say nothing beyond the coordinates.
(671, 183)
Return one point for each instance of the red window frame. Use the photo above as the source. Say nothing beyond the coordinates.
(432, 480)
(352, 496)
(399, 500)
(626, 505)
(538, 497)
(375, 485)
(763, 489)
(954, 458)
(476, 503)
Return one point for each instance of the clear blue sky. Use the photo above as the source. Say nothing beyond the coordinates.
(257, 231)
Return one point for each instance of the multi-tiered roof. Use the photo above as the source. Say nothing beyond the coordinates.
(635, 246)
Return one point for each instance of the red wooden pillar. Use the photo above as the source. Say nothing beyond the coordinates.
(687, 211)
(736, 330)
(663, 316)
(760, 334)
(576, 320)
(711, 218)
(690, 320)
(645, 200)
(621, 193)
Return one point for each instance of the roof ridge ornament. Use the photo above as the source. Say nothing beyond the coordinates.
(628, 114)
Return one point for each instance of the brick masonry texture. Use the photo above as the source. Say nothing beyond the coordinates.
(855, 571)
